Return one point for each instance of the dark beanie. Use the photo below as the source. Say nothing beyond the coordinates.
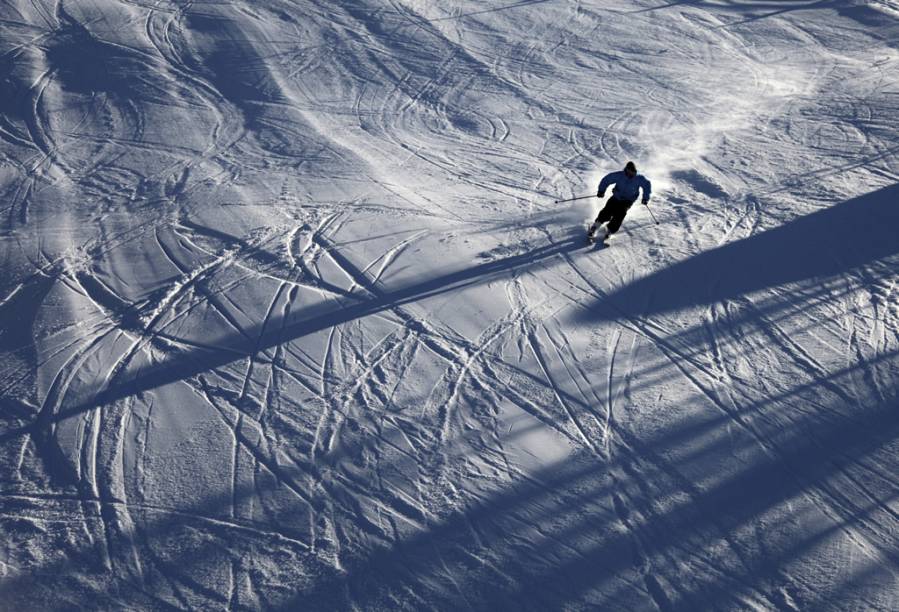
(630, 166)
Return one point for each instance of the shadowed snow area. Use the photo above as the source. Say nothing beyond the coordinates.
(290, 319)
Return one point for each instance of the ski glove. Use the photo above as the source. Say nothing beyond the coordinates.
(600, 194)
(646, 202)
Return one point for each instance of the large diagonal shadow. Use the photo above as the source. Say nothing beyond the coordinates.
(479, 552)
(835, 241)
(807, 454)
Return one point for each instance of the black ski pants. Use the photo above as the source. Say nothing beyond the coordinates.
(614, 212)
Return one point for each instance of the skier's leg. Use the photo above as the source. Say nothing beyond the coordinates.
(617, 216)
(604, 215)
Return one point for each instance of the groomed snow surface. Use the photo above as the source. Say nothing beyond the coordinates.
(290, 319)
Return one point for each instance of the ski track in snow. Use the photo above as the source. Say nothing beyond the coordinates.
(290, 320)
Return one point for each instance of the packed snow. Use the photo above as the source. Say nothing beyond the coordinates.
(290, 317)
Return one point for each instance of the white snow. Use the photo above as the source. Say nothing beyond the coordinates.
(290, 319)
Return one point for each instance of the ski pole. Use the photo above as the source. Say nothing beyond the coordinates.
(573, 199)
(650, 213)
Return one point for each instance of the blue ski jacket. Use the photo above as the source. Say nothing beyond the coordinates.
(625, 188)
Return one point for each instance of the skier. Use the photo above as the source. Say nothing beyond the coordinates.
(627, 187)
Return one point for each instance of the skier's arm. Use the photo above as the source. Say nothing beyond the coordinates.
(647, 190)
(604, 184)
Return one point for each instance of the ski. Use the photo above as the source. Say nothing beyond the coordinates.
(603, 241)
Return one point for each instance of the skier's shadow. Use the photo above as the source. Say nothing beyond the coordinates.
(303, 322)
(856, 238)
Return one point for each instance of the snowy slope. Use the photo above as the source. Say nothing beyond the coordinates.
(290, 320)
